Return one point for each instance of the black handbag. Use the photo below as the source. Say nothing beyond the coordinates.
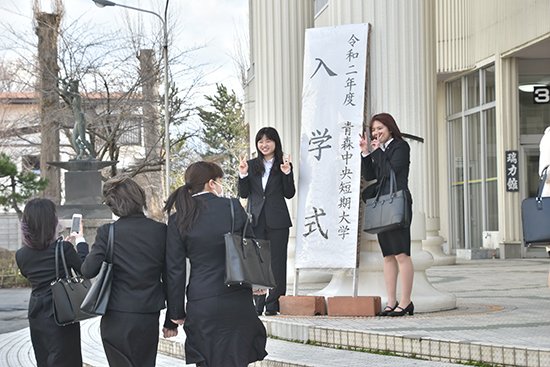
(247, 260)
(97, 299)
(387, 212)
(67, 292)
(535, 216)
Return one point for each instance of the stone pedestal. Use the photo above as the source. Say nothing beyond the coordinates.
(434, 243)
(83, 185)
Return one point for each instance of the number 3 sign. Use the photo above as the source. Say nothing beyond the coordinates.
(541, 95)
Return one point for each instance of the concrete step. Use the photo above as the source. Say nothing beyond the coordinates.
(292, 354)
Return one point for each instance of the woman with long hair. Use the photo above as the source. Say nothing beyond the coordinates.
(220, 322)
(53, 345)
(267, 181)
(388, 151)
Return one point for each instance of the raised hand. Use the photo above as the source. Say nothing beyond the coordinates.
(285, 166)
(375, 143)
(363, 143)
(243, 165)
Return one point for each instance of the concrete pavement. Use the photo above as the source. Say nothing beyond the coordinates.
(14, 303)
(502, 318)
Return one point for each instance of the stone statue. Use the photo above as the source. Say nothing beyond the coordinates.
(70, 94)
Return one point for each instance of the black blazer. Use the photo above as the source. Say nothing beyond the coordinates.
(38, 266)
(204, 245)
(377, 166)
(138, 263)
(279, 186)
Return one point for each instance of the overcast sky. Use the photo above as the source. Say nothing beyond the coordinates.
(212, 23)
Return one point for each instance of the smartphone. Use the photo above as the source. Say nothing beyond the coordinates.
(75, 224)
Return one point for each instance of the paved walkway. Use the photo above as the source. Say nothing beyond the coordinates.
(502, 318)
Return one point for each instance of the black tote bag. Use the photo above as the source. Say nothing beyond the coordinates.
(97, 299)
(387, 212)
(535, 216)
(67, 292)
(247, 260)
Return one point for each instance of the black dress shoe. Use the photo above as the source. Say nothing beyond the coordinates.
(400, 311)
(270, 313)
(386, 311)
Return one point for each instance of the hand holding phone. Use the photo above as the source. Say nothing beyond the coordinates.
(76, 224)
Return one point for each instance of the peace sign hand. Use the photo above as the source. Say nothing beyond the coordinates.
(243, 165)
(363, 143)
(285, 166)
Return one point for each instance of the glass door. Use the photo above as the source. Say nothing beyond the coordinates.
(529, 179)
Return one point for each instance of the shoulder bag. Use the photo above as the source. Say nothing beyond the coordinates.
(97, 299)
(247, 260)
(67, 292)
(535, 216)
(387, 212)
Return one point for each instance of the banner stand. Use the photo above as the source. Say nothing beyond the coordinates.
(355, 282)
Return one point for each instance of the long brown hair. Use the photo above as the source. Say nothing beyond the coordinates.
(387, 120)
(39, 223)
(187, 208)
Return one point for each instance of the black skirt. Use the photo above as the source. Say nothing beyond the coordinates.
(55, 346)
(224, 331)
(397, 241)
(130, 339)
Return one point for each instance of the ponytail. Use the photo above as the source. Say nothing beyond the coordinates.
(186, 207)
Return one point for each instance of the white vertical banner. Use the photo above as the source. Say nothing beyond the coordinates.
(335, 61)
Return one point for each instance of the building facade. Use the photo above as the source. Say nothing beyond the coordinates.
(471, 78)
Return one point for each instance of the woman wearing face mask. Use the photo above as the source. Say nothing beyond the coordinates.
(388, 151)
(266, 181)
(220, 322)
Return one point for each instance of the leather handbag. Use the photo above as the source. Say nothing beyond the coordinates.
(67, 292)
(535, 216)
(247, 259)
(387, 212)
(97, 299)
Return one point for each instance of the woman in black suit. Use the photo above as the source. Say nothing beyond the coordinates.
(266, 181)
(130, 327)
(220, 322)
(53, 345)
(390, 151)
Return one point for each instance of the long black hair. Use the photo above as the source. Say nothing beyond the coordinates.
(271, 134)
(187, 208)
(39, 223)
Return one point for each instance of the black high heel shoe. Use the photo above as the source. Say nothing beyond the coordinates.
(387, 310)
(400, 311)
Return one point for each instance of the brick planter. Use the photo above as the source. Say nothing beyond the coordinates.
(353, 306)
(302, 305)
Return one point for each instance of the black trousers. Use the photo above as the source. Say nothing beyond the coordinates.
(130, 339)
(279, 247)
(55, 346)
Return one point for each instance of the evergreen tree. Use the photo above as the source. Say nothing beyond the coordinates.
(16, 187)
(225, 133)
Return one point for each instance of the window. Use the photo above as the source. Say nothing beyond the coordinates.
(319, 5)
(130, 132)
(471, 125)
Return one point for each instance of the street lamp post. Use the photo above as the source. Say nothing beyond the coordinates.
(103, 3)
